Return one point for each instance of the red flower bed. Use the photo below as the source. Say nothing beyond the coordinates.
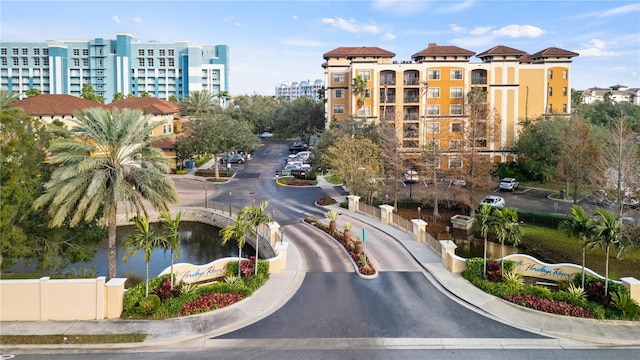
(550, 306)
(364, 270)
(210, 302)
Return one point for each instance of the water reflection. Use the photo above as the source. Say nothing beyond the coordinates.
(200, 244)
(472, 247)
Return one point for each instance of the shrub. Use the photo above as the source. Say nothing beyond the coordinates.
(626, 304)
(149, 304)
(210, 302)
(595, 292)
(164, 291)
(513, 280)
(181, 172)
(538, 291)
(494, 272)
(548, 305)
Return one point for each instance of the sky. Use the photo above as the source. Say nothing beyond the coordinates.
(271, 42)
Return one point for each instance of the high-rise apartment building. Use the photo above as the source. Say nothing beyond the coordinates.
(123, 65)
(426, 98)
(294, 90)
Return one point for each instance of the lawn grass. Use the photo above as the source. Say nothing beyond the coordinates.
(333, 179)
(556, 247)
(71, 339)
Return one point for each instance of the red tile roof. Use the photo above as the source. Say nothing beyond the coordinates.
(554, 52)
(55, 105)
(164, 143)
(501, 50)
(438, 50)
(149, 105)
(358, 51)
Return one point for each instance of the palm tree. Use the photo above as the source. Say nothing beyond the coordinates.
(237, 231)
(143, 240)
(606, 229)
(224, 97)
(199, 102)
(483, 221)
(7, 98)
(507, 228)
(578, 227)
(359, 89)
(257, 216)
(107, 160)
(172, 235)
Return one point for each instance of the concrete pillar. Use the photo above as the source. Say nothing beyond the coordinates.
(272, 234)
(354, 202)
(281, 256)
(386, 214)
(448, 249)
(633, 285)
(419, 230)
(44, 298)
(115, 297)
(101, 298)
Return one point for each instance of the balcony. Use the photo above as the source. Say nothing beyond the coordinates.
(388, 82)
(390, 98)
(410, 116)
(410, 99)
(411, 81)
(478, 80)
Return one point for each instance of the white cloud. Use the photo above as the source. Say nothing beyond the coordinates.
(481, 30)
(388, 36)
(516, 31)
(621, 10)
(456, 28)
(116, 19)
(137, 19)
(595, 48)
(351, 26)
(454, 7)
(399, 7)
(295, 17)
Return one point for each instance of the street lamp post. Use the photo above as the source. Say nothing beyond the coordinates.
(281, 234)
(386, 199)
(229, 203)
(419, 216)
(206, 197)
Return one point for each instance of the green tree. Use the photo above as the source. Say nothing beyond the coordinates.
(606, 230)
(198, 103)
(172, 236)
(579, 227)
(107, 160)
(484, 221)
(143, 240)
(224, 97)
(578, 153)
(256, 216)
(6, 98)
(538, 147)
(89, 93)
(238, 232)
(507, 229)
(359, 90)
(117, 96)
(33, 92)
(145, 94)
(173, 99)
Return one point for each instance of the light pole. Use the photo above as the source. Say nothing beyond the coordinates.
(386, 199)
(206, 197)
(229, 203)
(281, 234)
(419, 216)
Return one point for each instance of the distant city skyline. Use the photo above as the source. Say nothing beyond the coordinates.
(271, 42)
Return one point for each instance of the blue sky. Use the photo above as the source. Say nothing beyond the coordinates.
(275, 41)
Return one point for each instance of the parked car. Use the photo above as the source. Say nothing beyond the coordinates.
(493, 200)
(235, 159)
(266, 134)
(411, 177)
(297, 147)
(510, 184)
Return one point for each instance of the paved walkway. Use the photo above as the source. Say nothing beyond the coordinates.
(194, 331)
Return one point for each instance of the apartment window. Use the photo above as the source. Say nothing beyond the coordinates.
(455, 109)
(171, 62)
(99, 63)
(564, 108)
(85, 62)
(170, 52)
(338, 78)
(16, 51)
(45, 52)
(25, 61)
(433, 93)
(364, 110)
(456, 92)
(433, 127)
(564, 74)
(46, 61)
(98, 51)
(456, 127)
(434, 74)
(85, 52)
(150, 62)
(456, 74)
(455, 163)
(338, 109)
(550, 74)
(16, 62)
(76, 52)
(76, 62)
(140, 52)
(162, 62)
(162, 52)
(3, 51)
(367, 93)
(4, 61)
(25, 51)
(564, 91)
(36, 51)
(366, 74)
(150, 52)
(140, 62)
(433, 110)
(338, 93)
(549, 108)
(455, 144)
(550, 90)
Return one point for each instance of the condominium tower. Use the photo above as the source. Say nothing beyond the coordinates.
(294, 90)
(427, 97)
(124, 65)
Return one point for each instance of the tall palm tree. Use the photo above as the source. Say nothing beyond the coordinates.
(199, 102)
(578, 227)
(359, 89)
(237, 231)
(507, 228)
(143, 240)
(257, 216)
(108, 160)
(172, 235)
(606, 229)
(224, 97)
(7, 98)
(483, 221)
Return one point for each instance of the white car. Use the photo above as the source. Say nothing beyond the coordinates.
(493, 200)
(266, 134)
(510, 184)
(411, 176)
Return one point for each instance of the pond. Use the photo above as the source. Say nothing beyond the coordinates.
(473, 247)
(200, 244)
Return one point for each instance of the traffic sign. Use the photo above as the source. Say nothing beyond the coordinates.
(364, 235)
